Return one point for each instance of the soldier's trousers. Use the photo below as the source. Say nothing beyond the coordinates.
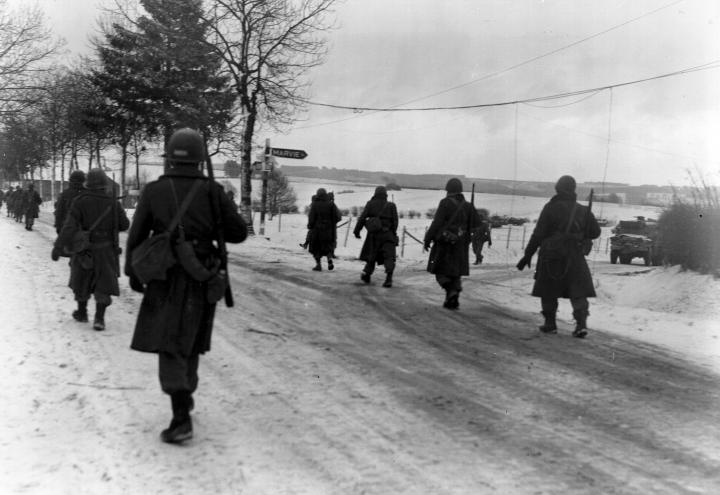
(580, 305)
(178, 373)
(387, 254)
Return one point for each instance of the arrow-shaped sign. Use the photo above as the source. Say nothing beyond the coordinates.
(285, 153)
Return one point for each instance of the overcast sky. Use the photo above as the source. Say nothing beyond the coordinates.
(427, 53)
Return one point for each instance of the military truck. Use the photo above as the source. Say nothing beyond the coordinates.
(635, 239)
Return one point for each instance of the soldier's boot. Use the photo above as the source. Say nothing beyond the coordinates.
(580, 324)
(365, 277)
(550, 325)
(180, 428)
(388, 279)
(99, 322)
(80, 314)
(452, 299)
(330, 263)
(318, 266)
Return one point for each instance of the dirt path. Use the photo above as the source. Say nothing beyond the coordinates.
(317, 383)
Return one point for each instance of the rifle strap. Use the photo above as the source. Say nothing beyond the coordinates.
(99, 219)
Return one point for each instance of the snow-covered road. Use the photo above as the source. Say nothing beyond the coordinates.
(319, 384)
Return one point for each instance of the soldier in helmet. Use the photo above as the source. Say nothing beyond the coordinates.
(93, 265)
(561, 269)
(380, 220)
(176, 316)
(62, 205)
(322, 220)
(449, 235)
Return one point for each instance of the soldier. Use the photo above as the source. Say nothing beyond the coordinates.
(563, 228)
(30, 208)
(380, 219)
(62, 205)
(17, 204)
(449, 234)
(8, 200)
(322, 219)
(94, 264)
(480, 235)
(2, 197)
(176, 317)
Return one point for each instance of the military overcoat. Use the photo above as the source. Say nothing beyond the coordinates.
(103, 272)
(175, 315)
(451, 259)
(372, 248)
(322, 220)
(568, 277)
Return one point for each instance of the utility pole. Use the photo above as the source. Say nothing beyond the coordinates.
(265, 172)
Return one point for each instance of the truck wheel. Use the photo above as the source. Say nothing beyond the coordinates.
(613, 257)
(648, 260)
(625, 259)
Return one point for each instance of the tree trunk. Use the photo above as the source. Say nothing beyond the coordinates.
(246, 166)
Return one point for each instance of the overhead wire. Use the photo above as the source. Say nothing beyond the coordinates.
(715, 64)
(359, 110)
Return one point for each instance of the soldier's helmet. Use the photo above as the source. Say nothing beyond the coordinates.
(77, 176)
(565, 184)
(96, 179)
(454, 186)
(186, 146)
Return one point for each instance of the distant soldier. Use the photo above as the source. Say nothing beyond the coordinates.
(62, 205)
(480, 235)
(17, 204)
(31, 202)
(8, 200)
(449, 234)
(380, 220)
(176, 315)
(561, 269)
(2, 197)
(94, 269)
(323, 217)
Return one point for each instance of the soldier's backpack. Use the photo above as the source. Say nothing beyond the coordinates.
(81, 239)
(152, 258)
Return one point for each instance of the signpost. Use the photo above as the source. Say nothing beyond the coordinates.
(267, 165)
(285, 153)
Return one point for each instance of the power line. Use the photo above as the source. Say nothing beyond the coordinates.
(710, 65)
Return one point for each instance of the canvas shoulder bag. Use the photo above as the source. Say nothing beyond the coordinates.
(152, 258)
(374, 224)
(81, 239)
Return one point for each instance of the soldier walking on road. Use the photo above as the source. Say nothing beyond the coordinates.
(176, 315)
(480, 235)
(8, 200)
(380, 219)
(94, 267)
(322, 219)
(562, 232)
(31, 202)
(449, 234)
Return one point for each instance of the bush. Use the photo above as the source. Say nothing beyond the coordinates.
(689, 236)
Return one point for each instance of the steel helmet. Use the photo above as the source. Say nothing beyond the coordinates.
(186, 146)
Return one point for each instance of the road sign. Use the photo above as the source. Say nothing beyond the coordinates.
(285, 153)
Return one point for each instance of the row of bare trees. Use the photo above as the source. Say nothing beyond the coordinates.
(229, 68)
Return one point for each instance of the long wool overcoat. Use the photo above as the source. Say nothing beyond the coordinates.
(102, 276)
(322, 220)
(31, 202)
(372, 248)
(446, 259)
(63, 203)
(568, 277)
(175, 315)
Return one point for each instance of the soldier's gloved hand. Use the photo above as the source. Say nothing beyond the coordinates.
(426, 247)
(55, 255)
(136, 285)
(524, 261)
(357, 235)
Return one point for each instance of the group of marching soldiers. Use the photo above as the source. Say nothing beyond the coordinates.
(23, 205)
(175, 255)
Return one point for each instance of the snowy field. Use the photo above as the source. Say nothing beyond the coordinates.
(56, 386)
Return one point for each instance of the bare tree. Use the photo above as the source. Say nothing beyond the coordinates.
(26, 50)
(268, 47)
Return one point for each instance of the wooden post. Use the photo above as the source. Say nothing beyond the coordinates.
(522, 245)
(347, 231)
(279, 215)
(402, 243)
(507, 243)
